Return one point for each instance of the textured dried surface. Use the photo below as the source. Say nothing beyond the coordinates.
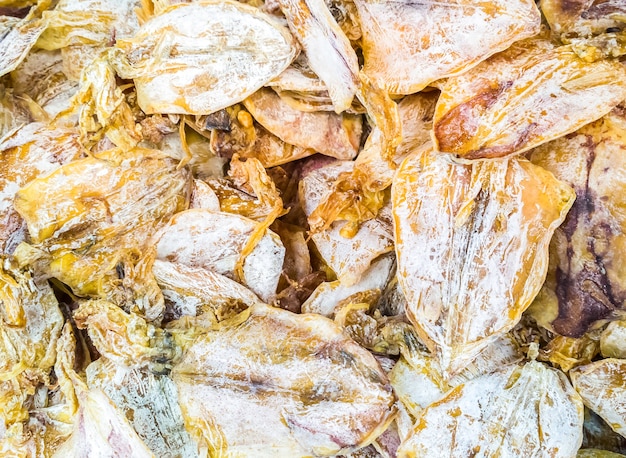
(272, 383)
(594, 27)
(348, 257)
(92, 217)
(326, 46)
(150, 402)
(101, 430)
(215, 240)
(602, 385)
(613, 340)
(483, 231)
(196, 291)
(17, 40)
(198, 58)
(328, 295)
(41, 77)
(527, 95)
(30, 324)
(408, 45)
(586, 281)
(327, 133)
(519, 411)
(32, 151)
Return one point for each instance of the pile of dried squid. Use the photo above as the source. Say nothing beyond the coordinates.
(295, 228)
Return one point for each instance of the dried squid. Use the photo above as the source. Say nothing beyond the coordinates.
(272, 383)
(528, 410)
(484, 231)
(527, 95)
(91, 219)
(187, 58)
(586, 282)
(603, 389)
(437, 39)
(297, 228)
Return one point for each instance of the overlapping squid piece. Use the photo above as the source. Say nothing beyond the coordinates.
(216, 240)
(327, 48)
(408, 45)
(529, 94)
(602, 386)
(197, 58)
(270, 383)
(586, 282)
(472, 247)
(348, 257)
(526, 410)
(335, 135)
(28, 153)
(90, 223)
(594, 28)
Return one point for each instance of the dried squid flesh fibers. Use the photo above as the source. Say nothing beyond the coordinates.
(272, 383)
(586, 280)
(529, 410)
(197, 58)
(602, 385)
(613, 340)
(327, 48)
(215, 241)
(529, 94)
(42, 79)
(92, 218)
(18, 38)
(27, 153)
(149, 401)
(82, 29)
(408, 45)
(335, 135)
(483, 231)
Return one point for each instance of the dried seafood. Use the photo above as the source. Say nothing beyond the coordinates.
(296, 228)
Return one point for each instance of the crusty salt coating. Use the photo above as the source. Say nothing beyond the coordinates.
(150, 402)
(197, 58)
(529, 94)
(41, 77)
(18, 37)
(273, 383)
(100, 429)
(408, 45)
(529, 410)
(602, 386)
(472, 247)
